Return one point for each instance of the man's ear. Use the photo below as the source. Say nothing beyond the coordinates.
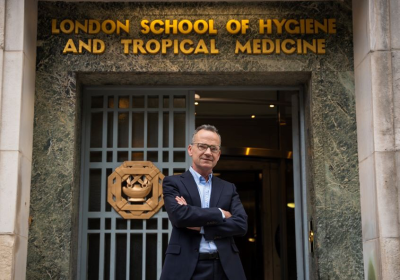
(190, 152)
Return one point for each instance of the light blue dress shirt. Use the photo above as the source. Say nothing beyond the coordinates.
(205, 195)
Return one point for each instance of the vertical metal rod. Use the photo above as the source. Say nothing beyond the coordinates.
(159, 246)
(144, 249)
(128, 251)
(297, 189)
(304, 185)
(112, 249)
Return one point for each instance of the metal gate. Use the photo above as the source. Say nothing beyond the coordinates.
(121, 124)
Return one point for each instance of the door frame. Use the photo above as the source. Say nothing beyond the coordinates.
(299, 159)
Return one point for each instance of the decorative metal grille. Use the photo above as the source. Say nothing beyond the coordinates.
(121, 124)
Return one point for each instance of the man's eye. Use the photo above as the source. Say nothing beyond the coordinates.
(213, 149)
(203, 147)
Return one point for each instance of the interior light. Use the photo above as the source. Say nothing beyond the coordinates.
(253, 116)
(247, 151)
(251, 239)
(196, 103)
(196, 96)
(290, 205)
(272, 106)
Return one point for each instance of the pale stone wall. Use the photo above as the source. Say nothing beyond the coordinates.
(377, 73)
(17, 86)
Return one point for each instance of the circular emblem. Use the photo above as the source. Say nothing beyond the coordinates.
(135, 190)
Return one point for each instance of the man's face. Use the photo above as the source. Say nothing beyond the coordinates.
(204, 161)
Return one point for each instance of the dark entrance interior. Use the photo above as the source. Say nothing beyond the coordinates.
(256, 131)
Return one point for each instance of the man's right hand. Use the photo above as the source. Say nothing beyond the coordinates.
(227, 214)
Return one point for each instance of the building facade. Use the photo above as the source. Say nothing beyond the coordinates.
(87, 85)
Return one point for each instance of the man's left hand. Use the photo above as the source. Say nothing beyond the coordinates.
(182, 201)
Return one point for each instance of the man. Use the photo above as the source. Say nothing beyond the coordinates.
(205, 213)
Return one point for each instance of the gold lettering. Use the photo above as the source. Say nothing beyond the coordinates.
(295, 29)
(323, 27)
(83, 45)
(54, 29)
(70, 47)
(126, 43)
(332, 26)
(181, 25)
(153, 26)
(235, 29)
(264, 25)
(241, 48)
(165, 43)
(279, 25)
(197, 28)
(98, 46)
(321, 46)
(278, 46)
(256, 46)
(174, 27)
(176, 50)
(201, 48)
(309, 26)
(156, 44)
(94, 26)
(299, 46)
(307, 46)
(138, 45)
(71, 26)
(212, 30)
(124, 27)
(182, 46)
(286, 50)
(110, 23)
(80, 26)
(213, 49)
(302, 26)
(144, 24)
(245, 25)
(265, 49)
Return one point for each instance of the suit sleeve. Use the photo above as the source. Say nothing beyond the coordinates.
(233, 226)
(187, 215)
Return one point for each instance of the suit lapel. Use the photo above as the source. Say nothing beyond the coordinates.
(190, 185)
(215, 191)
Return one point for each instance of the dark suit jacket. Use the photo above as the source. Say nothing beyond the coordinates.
(183, 249)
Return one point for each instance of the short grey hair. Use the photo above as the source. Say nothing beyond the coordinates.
(208, 127)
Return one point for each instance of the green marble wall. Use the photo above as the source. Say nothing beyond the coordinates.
(334, 198)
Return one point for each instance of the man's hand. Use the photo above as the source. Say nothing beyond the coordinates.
(227, 214)
(195, 228)
(180, 200)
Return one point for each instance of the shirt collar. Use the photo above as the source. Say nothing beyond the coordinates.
(197, 177)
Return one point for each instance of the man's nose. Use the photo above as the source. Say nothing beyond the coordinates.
(208, 151)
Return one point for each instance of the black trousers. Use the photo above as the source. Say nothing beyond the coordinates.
(209, 270)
